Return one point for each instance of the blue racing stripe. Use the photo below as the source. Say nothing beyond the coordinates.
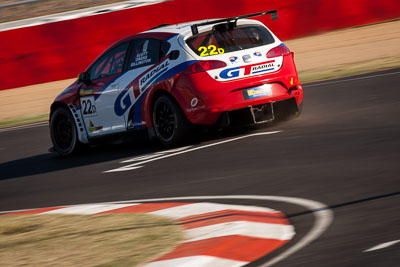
(262, 71)
(137, 112)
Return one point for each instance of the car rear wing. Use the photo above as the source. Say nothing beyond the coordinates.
(232, 21)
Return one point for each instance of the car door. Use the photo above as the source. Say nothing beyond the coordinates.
(98, 97)
(142, 63)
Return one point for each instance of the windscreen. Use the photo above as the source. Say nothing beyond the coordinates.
(220, 40)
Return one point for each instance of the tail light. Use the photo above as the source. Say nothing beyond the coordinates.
(278, 51)
(202, 66)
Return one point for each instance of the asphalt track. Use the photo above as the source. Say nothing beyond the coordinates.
(343, 151)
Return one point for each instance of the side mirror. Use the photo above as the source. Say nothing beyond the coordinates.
(84, 77)
(174, 55)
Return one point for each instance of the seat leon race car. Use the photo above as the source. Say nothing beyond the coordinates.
(231, 71)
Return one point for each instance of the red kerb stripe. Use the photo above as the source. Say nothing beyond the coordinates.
(34, 211)
(231, 216)
(241, 248)
(145, 208)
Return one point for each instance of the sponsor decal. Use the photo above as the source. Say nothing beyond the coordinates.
(233, 59)
(93, 128)
(132, 95)
(247, 70)
(264, 90)
(88, 107)
(154, 72)
(194, 109)
(136, 88)
(123, 102)
(257, 54)
(194, 102)
(246, 58)
(86, 91)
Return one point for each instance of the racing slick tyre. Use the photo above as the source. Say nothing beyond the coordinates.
(63, 132)
(170, 124)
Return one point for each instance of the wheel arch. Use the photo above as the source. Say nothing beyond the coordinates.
(151, 99)
(78, 119)
(56, 105)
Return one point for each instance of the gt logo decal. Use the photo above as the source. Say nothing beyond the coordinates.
(230, 73)
(210, 50)
(247, 70)
(123, 102)
(88, 106)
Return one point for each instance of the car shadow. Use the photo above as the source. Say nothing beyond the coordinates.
(52, 162)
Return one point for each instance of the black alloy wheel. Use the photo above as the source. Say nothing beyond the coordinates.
(63, 132)
(170, 124)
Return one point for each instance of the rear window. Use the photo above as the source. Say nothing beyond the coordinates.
(229, 40)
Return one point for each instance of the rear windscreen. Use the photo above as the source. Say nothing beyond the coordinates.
(220, 41)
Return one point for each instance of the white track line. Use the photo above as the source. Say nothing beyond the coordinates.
(26, 126)
(156, 154)
(353, 79)
(383, 245)
(242, 228)
(136, 165)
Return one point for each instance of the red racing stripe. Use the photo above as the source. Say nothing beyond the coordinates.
(231, 216)
(145, 208)
(236, 247)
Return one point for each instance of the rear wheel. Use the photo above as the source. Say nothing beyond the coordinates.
(170, 124)
(63, 132)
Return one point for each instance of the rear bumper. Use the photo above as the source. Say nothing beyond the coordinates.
(204, 99)
(279, 110)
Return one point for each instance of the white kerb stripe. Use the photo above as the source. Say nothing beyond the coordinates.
(88, 209)
(196, 261)
(200, 208)
(242, 228)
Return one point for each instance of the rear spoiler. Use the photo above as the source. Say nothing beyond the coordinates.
(233, 20)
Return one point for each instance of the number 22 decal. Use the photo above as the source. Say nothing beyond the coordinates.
(210, 50)
(88, 107)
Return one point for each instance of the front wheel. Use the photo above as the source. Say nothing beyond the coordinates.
(63, 132)
(170, 124)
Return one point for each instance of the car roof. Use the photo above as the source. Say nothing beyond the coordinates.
(183, 29)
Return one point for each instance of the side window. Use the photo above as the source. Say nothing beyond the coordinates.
(147, 52)
(165, 46)
(109, 64)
